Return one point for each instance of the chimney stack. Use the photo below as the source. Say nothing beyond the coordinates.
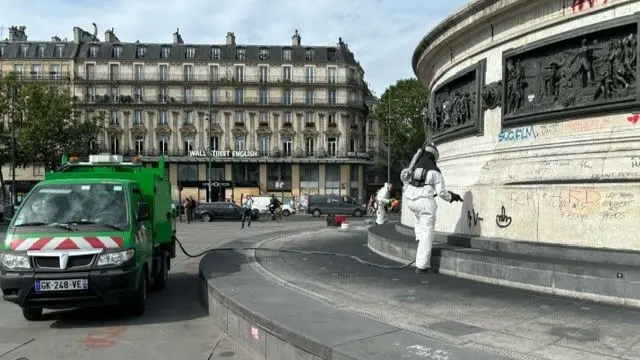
(177, 38)
(296, 39)
(77, 34)
(231, 38)
(17, 33)
(110, 36)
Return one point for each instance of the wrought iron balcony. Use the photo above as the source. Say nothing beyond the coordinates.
(258, 79)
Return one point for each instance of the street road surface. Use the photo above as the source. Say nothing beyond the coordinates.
(175, 325)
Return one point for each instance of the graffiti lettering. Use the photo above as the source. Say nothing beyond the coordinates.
(635, 161)
(579, 5)
(616, 175)
(573, 198)
(633, 118)
(502, 220)
(103, 339)
(521, 133)
(473, 217)
(523, 198)
(614, 203)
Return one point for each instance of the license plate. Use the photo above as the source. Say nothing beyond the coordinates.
(62, 285)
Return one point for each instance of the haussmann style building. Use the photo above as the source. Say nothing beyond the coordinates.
(256, 119)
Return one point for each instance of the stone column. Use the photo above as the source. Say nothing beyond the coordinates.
(227, 139)
(275, 138)
(151, 134)
(201, 128)
(126, 127)
(251, 136)
(299, 127)
(175, 132)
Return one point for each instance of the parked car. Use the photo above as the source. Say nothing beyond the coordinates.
(261, 205)
(221, 210)
(334, 204)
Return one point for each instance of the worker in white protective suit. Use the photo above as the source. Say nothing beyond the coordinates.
(423, 181)
(383, 198)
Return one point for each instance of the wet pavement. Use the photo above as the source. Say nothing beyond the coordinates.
(524, 324)
(175, 325)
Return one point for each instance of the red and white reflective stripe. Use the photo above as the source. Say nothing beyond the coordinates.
(67, 243)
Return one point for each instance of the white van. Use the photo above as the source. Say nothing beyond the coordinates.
(261, 204)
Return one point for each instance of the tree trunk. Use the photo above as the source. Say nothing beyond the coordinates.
(4, 190)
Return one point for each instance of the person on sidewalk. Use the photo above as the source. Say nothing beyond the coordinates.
(383, 198)
(247, 209)
(423, 181)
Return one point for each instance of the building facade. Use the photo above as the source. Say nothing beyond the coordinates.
(535, 116)
(253, 119)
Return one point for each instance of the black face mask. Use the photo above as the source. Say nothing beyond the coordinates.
(428, 162)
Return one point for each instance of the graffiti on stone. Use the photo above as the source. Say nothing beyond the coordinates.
(502, 219)
(517, 134)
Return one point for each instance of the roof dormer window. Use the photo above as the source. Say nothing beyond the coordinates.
(117, 52)
(141, 51)
(3, 48)
(264, 54)
(309, 54)
(94, 50)
(165, 52)
(241, 54)
(24, 49)
(286, 54)
(60, 50)
(190, 53)
(331, 55)
(215, 53)
(40, 50)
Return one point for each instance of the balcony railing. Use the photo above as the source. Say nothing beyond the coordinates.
(206, 101)
(53, 76)
(200, 78)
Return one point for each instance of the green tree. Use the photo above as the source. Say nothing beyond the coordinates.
(9, 116)
(401, 114)
(51, 125)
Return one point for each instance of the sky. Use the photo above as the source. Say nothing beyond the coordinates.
(381, 33)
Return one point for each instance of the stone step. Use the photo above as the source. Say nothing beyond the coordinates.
(497, 262)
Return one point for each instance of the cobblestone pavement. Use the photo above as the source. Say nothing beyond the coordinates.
(524, 323)
(175, 325)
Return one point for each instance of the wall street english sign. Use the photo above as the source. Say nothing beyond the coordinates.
(224, 154)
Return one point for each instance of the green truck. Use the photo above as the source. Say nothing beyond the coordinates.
(92, 233)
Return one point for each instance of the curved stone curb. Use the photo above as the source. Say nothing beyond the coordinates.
(278, 323)
(548, 269)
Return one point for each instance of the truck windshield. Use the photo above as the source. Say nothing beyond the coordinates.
(75, 204)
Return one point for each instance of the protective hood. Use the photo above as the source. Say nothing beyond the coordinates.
(432, 149)
(384, 193)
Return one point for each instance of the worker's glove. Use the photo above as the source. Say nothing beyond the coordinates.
(455, 197)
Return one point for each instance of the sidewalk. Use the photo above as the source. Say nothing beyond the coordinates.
(458, 311)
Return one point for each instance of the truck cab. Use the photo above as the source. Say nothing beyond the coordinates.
(90, 234)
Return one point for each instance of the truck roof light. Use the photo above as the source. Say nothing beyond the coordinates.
(74, 160)
(136, 160)
(105, 159)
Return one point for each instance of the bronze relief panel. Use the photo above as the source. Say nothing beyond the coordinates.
(587, 71)
(456, 108)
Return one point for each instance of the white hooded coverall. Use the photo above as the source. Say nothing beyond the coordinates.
(383, 197)
(421, 201)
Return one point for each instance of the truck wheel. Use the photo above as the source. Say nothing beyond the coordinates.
(162, 276)
(32, 314)
(138, 303)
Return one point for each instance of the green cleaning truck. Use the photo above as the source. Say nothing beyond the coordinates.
(90, 234)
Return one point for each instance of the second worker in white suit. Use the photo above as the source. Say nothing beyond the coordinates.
(423, 181)
(383, 198)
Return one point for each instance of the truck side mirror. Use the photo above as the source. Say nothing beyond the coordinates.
(142, 211)
(7, 213)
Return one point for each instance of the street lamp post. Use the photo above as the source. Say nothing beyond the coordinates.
(389, 142)
(13, 144)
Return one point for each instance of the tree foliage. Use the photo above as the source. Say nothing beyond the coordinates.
(51, 126)
(401, 113)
